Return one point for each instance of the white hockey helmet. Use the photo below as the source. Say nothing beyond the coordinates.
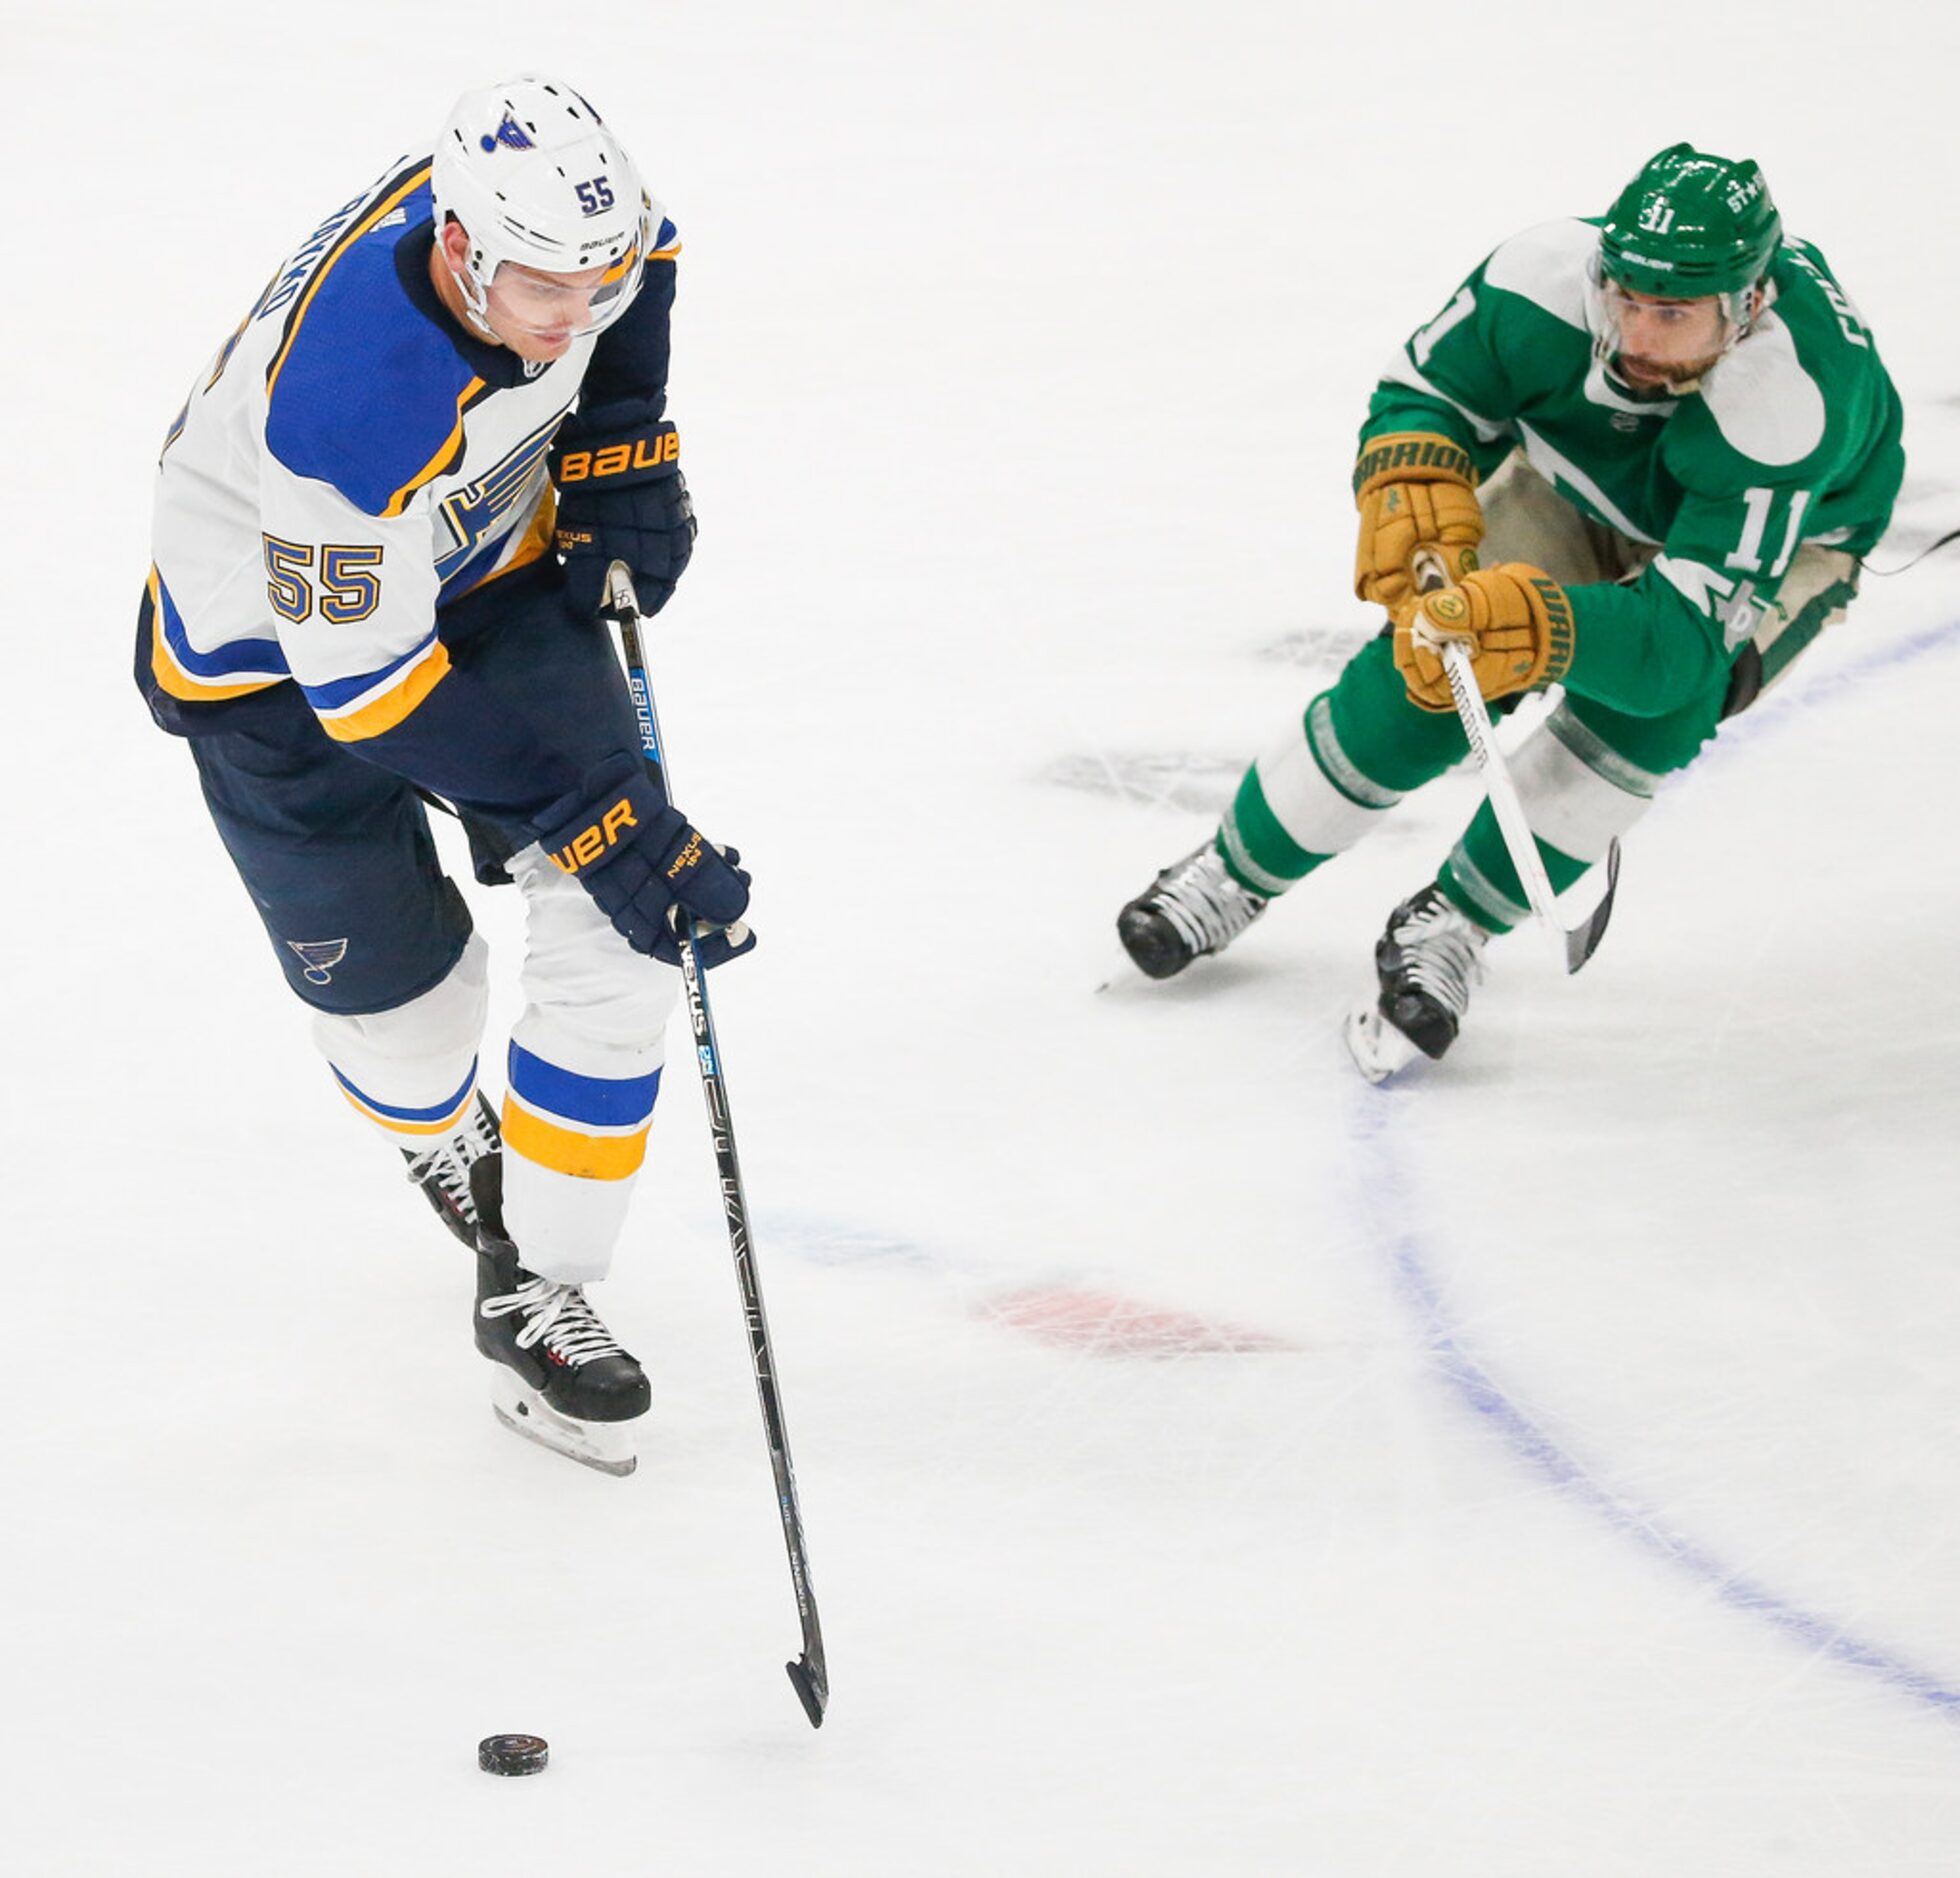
(535, 177)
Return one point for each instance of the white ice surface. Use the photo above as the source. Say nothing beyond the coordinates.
(1595, 1513)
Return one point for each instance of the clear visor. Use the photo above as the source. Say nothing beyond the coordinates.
(1711, 317)
(553, 307)
(1655, 341)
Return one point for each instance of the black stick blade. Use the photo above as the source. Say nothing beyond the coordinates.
(1583, 941)
(812, 1690)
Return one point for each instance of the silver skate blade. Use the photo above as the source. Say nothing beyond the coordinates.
(1378, 1048)
(607, 1446)
(1120, 970)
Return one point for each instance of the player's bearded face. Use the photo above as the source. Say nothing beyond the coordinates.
(1665, 342)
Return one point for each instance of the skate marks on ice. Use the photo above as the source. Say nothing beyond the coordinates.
(1181, 779)
(1201, 785)
(1063, 1312)
(1383, 1193)
(1383, 1189)
(1178, 779)
(1315, 648)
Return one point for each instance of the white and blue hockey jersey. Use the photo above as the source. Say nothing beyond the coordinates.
(351, 462)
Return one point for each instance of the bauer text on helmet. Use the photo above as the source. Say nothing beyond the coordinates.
(1684, 253)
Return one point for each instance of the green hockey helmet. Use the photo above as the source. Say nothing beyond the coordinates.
(1691, 224)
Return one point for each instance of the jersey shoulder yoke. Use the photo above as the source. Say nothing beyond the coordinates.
(1763, 401)
(365, 391)
(1547, 265)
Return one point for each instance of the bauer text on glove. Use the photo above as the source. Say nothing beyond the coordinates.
(621, 497)
(1515, 620)
(1414, 490)
(645, 866)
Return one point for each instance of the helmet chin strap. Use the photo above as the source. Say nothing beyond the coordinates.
(476, 300)
(473, 292)
(480, 325)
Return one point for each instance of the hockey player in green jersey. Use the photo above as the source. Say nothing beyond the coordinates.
(1648, 451)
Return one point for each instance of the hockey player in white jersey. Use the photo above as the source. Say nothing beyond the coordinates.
(358, 604)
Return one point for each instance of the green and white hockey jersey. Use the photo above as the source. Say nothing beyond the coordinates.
(1793, 437)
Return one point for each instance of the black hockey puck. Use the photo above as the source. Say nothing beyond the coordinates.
(513, 1754)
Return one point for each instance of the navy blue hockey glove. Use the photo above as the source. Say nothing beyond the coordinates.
(647, 869)
(621, 497)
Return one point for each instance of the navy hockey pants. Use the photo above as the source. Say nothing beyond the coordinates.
(337, 854)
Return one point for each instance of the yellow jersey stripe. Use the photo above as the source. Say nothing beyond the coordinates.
(180, 684)
(388, 710)
(435, 465)
(384, 207)
(564, 1151)
(172, 676)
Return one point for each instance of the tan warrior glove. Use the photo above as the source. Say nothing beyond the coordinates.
(1516, 620)
(1415, 490)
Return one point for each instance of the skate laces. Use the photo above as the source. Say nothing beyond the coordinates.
(445, 1165)
(1442, 950)
(1204, 903)
(560, 1318)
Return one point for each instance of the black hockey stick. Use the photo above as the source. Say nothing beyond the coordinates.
(807, 1675)
(1905, 567)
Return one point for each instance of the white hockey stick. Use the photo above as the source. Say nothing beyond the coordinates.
(1575, 944)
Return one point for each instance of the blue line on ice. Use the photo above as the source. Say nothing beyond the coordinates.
(1389, 1187)
(1781, 707)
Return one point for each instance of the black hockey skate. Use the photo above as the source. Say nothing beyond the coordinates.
(1426, 961)
(1193, 907)
(562, 1379)
(442, 1169)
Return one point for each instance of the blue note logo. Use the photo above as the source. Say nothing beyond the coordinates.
(477, 512)
(509, 134)
(319, 956)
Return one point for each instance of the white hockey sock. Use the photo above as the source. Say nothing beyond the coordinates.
(412, 1070)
